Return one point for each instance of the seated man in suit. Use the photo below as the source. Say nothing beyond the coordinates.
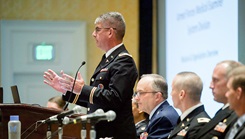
(224, 118)
(186, 94)
(140, 118)
(151, 96)
(236, 99)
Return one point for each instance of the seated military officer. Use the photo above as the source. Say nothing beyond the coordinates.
(186, 93)
(140, 118)
(151, 96)
(236, 99)
(56, 103)
(224, 118)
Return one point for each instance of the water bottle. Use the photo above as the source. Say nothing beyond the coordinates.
(14, 127)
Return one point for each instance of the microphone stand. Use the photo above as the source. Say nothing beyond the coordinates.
(60, 132)
(92, 132)
(60, 129)
(83, 131)
(65, 107)
(49, 132)
(35, 129)
(92, 129)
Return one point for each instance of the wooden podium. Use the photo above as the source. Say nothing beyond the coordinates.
(30, 114)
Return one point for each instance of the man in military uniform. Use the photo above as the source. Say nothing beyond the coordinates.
(140, 118)
(186, 94)
(111, 85)
(236, 99)
(224, 117)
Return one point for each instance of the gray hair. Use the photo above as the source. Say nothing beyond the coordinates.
(158, 84)
(113, 20)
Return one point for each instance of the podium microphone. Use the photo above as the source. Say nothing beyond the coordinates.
(75, 110)
(65, 107)
(96, 117)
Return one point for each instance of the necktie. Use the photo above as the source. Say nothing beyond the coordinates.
(234, 130)
(102, 60)
(149, 122)
(179, 120)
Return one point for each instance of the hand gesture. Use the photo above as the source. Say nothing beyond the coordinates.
(67, 83)
(52, 79)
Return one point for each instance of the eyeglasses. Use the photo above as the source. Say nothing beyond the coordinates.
(97, 29)
(138, 94)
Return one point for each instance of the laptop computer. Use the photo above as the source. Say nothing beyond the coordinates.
(15, 94)
(1, 94)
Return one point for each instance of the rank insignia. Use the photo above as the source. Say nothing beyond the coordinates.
(203, 120)
(143, 128)
(124, 54)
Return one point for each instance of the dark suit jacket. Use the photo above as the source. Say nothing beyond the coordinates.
(189, 126)
(162, 122)
(223, 117)
(111, 88)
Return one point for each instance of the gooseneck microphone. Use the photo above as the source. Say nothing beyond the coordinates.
(65, 107)
(75, 110)
(97, 116)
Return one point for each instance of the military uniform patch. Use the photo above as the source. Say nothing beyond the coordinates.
(101, 86)
(220, 127)
(144, 135)
(203, 120)
(182, 133)
(104, 70)
(124, 54)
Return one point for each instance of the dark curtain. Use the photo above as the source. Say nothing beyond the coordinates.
(145, 37)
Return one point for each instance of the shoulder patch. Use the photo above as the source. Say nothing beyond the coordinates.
(203, 120)
(124, 54)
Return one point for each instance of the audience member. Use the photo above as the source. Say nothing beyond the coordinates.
(56, 103)
(224, 117)
(151, 96)
(236, 99)
(111, 85)
(186, 95)
(140, 118)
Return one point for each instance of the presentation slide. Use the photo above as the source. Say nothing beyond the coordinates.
(199, 34)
